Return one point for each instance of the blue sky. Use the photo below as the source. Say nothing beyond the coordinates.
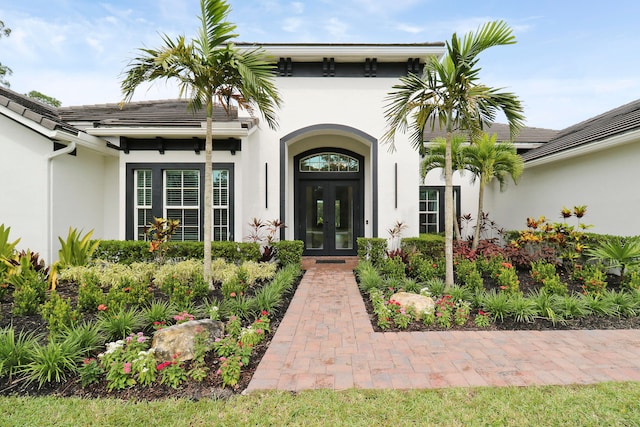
(573, 60)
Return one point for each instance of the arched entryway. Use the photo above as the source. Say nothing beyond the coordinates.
(329, 200)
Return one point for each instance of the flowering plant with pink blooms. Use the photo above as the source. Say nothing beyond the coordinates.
(230, 370)
(128, 362)
(183, 317)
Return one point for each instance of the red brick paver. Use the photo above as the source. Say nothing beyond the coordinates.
(326, 341)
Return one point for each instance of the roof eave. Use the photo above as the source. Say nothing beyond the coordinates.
(221, 129)
(348, 53)
(582, 150)
(83, 139)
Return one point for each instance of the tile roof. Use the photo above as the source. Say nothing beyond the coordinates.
(526, 135)
(614, 122)
(147, 113)
(43, 114)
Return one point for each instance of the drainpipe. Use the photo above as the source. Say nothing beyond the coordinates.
(66, 150)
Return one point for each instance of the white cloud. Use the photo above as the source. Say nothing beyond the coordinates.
(297, 7)
(292, 25)
(337, 29)
(408, 28)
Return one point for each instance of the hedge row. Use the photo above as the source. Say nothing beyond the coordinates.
(130, 251)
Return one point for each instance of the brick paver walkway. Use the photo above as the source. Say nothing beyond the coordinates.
(326, 341)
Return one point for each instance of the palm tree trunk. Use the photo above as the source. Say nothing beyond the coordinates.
(456, 225)
(208, 193)
(448, 211)
(476, 234)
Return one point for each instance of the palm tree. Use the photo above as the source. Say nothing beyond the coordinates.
(434, 159)
(449, 94)
(487, 160)
(210, 70)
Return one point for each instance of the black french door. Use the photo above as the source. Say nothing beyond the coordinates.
(329, 217)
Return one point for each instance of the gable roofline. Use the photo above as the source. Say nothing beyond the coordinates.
(348, 52)
(44, 120)
(34, 111)
(620, 125)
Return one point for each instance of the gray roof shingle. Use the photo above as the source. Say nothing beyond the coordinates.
(526, 135)
(147, 113)
(35, 111)
(614, 122)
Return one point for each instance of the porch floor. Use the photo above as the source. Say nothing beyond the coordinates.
(326, 341)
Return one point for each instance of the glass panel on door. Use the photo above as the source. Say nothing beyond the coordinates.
(343, 216)
(315, 216)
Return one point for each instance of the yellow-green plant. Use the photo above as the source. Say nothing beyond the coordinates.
(76, 249)
(7, 250)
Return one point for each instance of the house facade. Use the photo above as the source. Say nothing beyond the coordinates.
(324, 172)
(592, 163)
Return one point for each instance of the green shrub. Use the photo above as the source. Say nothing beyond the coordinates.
(289, 251)
(631, 280)
(392, 268)
(489, 266)
(428, 245)
(424, 269)
(130, 251)
(29, 287)
(258, 271)
(592, 277)
(468, 274)
(373, 249)
(183, 282)
(554, 286)
(222, 270)
(90, 295)
(123, 251)
(58, 314)
(541, 270)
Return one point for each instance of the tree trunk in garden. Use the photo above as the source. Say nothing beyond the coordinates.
(476, 234)
(208, 193)
(448, 212)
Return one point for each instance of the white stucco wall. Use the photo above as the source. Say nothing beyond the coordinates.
(78, 194)
(23, 193)
(357, 103)
(606, 181)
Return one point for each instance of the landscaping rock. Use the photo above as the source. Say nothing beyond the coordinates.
(180, 339)
(420, 303)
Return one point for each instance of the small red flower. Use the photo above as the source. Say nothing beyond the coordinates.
(102, 307)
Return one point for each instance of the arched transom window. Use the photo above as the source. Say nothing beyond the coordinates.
(329, 162)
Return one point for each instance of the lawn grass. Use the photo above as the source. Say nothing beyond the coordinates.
(610, 404)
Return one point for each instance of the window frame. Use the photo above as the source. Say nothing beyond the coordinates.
(158, 189)
(440, 189)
